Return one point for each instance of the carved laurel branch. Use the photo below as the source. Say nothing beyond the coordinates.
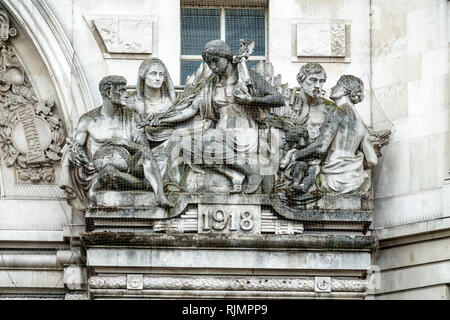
(209, 283)
(294, 109)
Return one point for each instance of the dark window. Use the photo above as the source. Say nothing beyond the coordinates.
(198, 26)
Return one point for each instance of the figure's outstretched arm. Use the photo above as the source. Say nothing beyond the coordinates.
(322, 143)
(271, 100)
(369, 152)
(182, 115)
(266, 95)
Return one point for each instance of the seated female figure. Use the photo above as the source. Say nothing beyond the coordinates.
(231, 143)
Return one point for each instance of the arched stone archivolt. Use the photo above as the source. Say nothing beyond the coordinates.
(43, 91)
(35, 20)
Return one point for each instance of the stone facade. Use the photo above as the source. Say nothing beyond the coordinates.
(392, 244)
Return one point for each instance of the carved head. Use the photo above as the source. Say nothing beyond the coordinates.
(350, 86)
(154, 74)
(297, 138)
(217, 54)
(311, 78)
(113, 88)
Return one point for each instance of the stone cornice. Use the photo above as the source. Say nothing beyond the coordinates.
(324, 242)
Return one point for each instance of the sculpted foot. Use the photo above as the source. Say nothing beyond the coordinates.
(163, 202)
(237, 184)
(254, 181)
(297, 187)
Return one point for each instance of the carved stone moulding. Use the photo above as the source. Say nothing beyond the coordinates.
(224, 213)
(224, 265)
(260, 283)
(76, 296)
(306, 241)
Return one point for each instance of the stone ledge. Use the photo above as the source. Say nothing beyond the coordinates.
(215, 294)
(115, 208)
(326, 242)
(414, 232)
(31, 235)
(299, 261)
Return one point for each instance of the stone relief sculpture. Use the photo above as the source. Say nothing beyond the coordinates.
(31, 132)
(233, 157)
(235, 138)
(348, 140)
(110, 152)
(300, 121)
(231, 108)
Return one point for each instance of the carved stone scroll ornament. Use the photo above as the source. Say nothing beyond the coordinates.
(31, 133)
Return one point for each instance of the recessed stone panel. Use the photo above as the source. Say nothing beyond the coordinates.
(321, 40)
(122, 34)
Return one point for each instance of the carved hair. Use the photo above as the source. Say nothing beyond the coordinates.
(218, 48)
(108, 81)
(309, 68)
(168, 88)
(353, 86)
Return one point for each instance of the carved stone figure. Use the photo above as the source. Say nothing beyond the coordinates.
(307, 110)
(110, 151)
(155, 94)
(232, 104)
(215, 137)
(296, 169)
(311, 78)
(154, 90)
(348, 140)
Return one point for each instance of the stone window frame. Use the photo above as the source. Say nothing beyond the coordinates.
(223, 8)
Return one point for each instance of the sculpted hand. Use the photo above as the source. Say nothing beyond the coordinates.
(155, 122)
(241, 94)
(78, 159)
(298, 155)
(119, 142)
(244, 99)
(143, 124)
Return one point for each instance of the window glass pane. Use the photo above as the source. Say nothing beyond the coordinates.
(245, 24)
(188, 67)
(252, 64)
(198, 26)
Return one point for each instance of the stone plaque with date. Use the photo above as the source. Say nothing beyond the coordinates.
(221, 218)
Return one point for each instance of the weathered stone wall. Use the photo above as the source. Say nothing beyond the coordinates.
(282, 20)
(398, 48)
(76, 18)
(410, 83)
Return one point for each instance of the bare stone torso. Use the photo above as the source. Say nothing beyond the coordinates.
(350, 133)
(102, 130)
